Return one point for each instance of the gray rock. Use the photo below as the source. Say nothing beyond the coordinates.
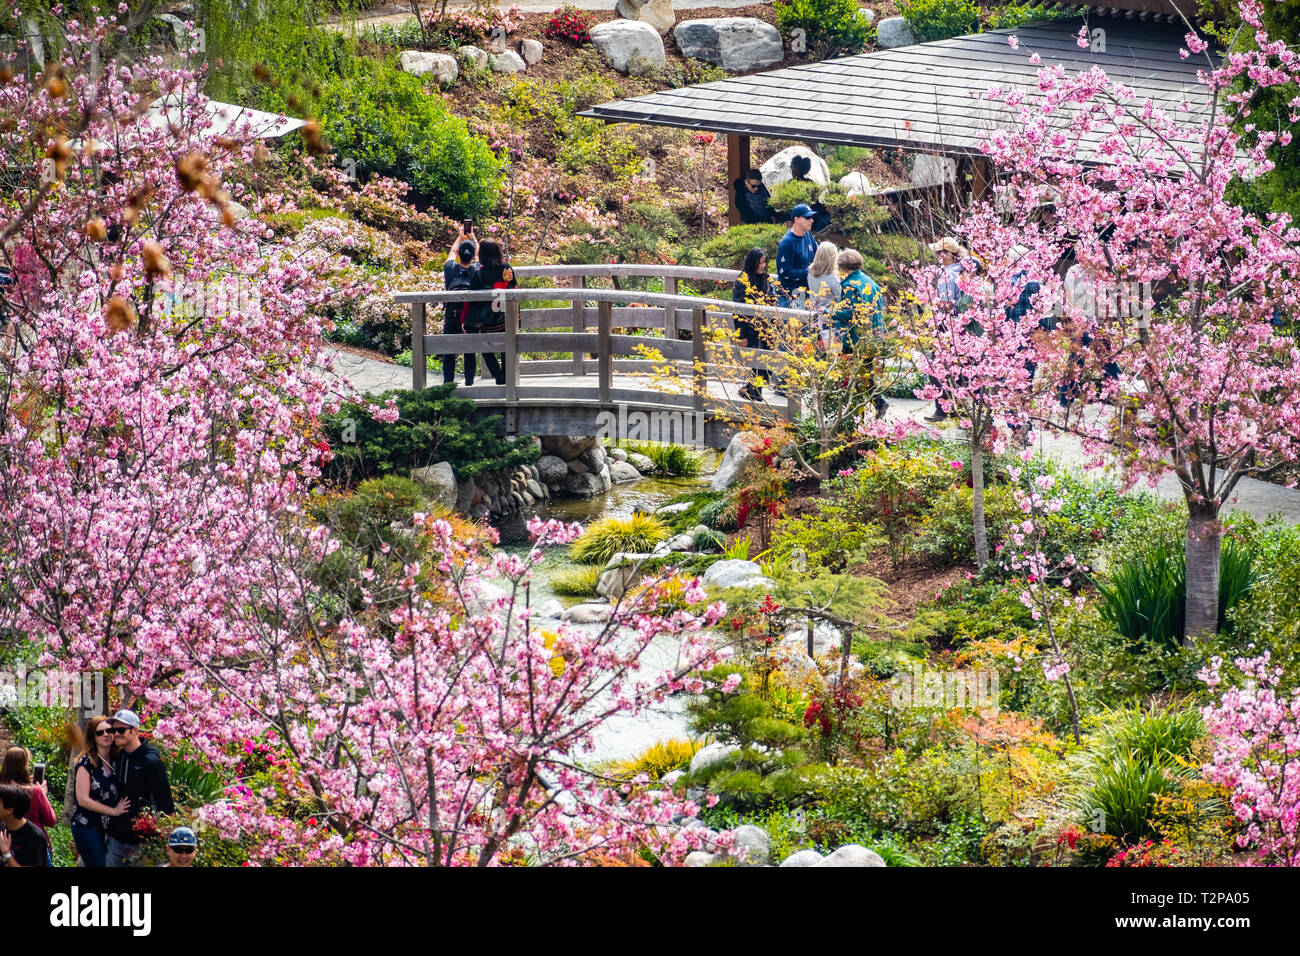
(676, 509)
(756, 841)
(669, 779)
(605, 476)
(699, 529)
(803, 858)
(700, 858)
(852, 855)
(621, 572)
(552, 469)
(551, 609)
(586, 614)
(534, 489)
(857, 184)
(180, 32)
(618, 454)
(732, 573)
(441, 66)
(531, 51)
(734, 460)
(695, 794)
(777, 168)
(856, 669)
(440, 480)
(826, 637)
(594, 459)
(585, 486)
(475, 57)
(680, 542)
(578, 467)
(464, 494)
(640, 462)
(894, 32)
(626, 43)
(621, 471)
(566, 446)
(508, 61)
(711, 754)
(737, 44)
(479, 511)
(658, 13)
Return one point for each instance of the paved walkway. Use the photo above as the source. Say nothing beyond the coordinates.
(1260, 499)
(394, 16)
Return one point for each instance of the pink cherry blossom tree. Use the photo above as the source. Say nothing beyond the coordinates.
(1209, 387)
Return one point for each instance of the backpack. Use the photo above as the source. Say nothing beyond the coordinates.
(459, 279)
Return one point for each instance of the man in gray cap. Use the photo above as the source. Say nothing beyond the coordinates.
(142, 779)
(182, 847)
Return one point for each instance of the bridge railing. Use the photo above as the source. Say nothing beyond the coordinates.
(587, 321)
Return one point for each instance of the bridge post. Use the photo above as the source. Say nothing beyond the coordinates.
(605, 325)
(418, 368)
(699, 383)
(579, 324)
(512, 351)
(670, 311)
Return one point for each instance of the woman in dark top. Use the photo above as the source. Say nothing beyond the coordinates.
(492, 272)
(752, 288)
(96, 791)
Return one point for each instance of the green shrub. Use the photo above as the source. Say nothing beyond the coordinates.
(940, 19)
(707, 541)
(1014, 15)
(605, 538)
(1145, 597)
(434, 425)
(385, 122)
(947, 531)
(720, 515)
(662, 757)
(728, 250)
(576, 582)
(365, 518)
(832, 27)
(892, 488)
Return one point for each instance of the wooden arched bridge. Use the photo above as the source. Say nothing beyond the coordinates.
(603, 386)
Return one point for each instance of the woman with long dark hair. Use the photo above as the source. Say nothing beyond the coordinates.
(752, 288)
(95, 785)
(492, 272)
(17, 770)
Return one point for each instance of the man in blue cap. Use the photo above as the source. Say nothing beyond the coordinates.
(182, 847)
(794, 255)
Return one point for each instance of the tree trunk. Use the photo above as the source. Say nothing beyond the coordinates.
(977, 498)
(1202, 548)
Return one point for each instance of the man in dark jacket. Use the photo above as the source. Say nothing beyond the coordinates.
(753, 201)
(142, 779)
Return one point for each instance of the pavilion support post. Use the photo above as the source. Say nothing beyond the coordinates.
(418, 369)
(512, 351)
(699, 383)
(981, 177)
(737, 166)
(579, 324)
(604, 347)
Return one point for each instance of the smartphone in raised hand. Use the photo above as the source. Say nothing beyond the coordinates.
(38, 773)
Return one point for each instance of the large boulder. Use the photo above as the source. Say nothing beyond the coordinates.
(857, 184)
(507, 61)
(552, 470)
(621, 572)
(665, 511)
(440, 481)
(476, 58)
(465, 495)
(777, 168)
(621, 471)
(826, 638)
(739, 451)
(626, 43)
(566, 446)
(586, 486)
(642, 463)
(587, 614)
(734, 573)
(658, 13)
(737, 44)
(852, 855)
(441, 66)
(531, 51)
(755, 840)
(709, 755)
(894, 32)
(700, 858)
(802, 858)
(594, 459)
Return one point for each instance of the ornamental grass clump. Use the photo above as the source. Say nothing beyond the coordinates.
(605, 538)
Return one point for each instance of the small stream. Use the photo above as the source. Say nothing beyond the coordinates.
(624, 736)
